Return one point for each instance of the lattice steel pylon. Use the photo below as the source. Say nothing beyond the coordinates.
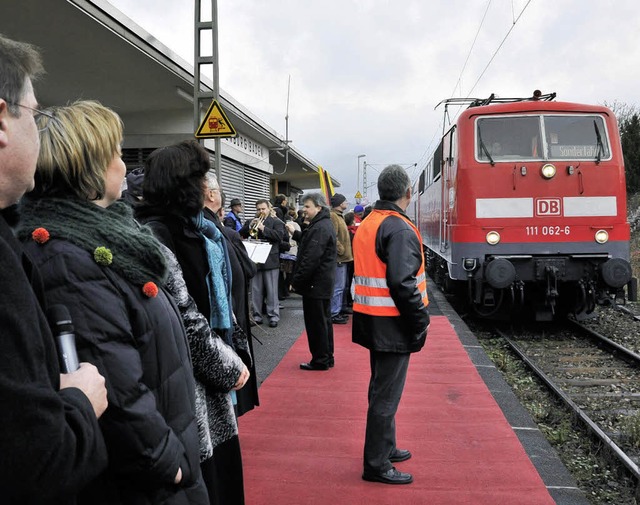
(364, 179)
(200, 94)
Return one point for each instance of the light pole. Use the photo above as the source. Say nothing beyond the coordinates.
(358, 181)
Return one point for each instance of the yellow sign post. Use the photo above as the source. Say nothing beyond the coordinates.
(215, 124)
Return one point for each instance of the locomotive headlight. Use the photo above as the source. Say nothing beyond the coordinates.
(602, 236)
(548, 171)
(493, 237)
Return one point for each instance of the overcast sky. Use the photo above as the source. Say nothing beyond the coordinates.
(367, 74)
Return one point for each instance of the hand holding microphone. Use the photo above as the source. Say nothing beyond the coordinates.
(62, 329)
(83, 376)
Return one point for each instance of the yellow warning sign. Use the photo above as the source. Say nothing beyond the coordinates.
(215, 124)
(358, 195)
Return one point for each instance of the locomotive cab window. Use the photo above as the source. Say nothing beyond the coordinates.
(508, 138)
(576, 137)
(548, 137)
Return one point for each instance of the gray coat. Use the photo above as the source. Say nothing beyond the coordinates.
(216, 367)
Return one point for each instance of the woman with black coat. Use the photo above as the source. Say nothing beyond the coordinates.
(109, 272)
(313, 278)
(172, 206)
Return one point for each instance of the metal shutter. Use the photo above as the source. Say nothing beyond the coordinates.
(246, 183)
(136, 156)
(232, 181)
(256, 187)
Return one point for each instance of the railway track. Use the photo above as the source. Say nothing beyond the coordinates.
(597, 377)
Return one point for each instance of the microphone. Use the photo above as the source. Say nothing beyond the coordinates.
(62, 328)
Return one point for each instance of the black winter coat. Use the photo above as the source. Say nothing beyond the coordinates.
(187, 244)
(51, 444)
(274, 232)
(138, 343)
(315, 269)
(398, 246)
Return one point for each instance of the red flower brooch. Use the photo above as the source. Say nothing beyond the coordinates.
(150, 289)
(40, 235)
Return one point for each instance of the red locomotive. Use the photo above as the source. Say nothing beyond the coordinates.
(523, 205)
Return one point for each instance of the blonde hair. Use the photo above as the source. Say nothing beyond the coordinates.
(76, 147)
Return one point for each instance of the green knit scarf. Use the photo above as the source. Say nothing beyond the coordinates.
(133, 251)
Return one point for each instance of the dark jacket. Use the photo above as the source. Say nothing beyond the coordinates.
(51, 444)
(398, 246)
(315, 269)
(274, 232)
(138, 343)
(282, 213)
(242, 270)
(188, 245)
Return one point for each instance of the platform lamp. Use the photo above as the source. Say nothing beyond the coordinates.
(358, 180)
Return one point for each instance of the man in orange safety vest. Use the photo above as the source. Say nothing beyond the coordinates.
(390, 316)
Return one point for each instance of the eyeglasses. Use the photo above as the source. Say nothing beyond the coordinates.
(36, 114)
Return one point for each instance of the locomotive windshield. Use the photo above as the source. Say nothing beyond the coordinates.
(546, 137)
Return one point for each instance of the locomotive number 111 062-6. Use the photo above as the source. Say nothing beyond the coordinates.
(548, 230)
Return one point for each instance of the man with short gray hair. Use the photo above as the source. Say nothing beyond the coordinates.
(51, 442)
(390, 316)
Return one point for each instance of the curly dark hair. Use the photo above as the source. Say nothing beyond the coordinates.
(174, 178)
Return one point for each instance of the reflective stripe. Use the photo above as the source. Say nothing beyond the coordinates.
(381, 282)
(371, 282)
(374, 301)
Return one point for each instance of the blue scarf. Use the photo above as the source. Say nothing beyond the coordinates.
(219, 276)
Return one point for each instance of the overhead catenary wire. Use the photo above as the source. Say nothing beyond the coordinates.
(486, 10)
(427, 152)
(513, 25)
(441, 125)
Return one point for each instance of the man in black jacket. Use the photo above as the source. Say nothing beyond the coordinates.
(264, 285)
(313, 278)
(390, 316)
(51, 443)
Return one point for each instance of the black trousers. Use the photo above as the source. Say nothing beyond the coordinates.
(388, 376)
(222, 474)
(317, 322)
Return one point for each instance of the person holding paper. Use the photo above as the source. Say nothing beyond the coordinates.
(264, 286)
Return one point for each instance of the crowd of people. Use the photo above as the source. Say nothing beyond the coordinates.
(162, 296)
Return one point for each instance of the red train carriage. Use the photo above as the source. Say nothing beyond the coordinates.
(524, 206)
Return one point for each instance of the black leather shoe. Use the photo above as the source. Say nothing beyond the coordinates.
(391, 476)
(273, 324)
(339, 319)
(399, 455)
(309, 366)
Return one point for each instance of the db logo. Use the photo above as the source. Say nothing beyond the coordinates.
(548, 207)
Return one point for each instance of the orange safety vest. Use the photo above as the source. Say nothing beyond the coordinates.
(370, 273)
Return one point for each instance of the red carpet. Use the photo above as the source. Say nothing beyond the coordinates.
(303, 445)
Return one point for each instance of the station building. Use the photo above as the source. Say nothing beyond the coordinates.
(93, 51)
